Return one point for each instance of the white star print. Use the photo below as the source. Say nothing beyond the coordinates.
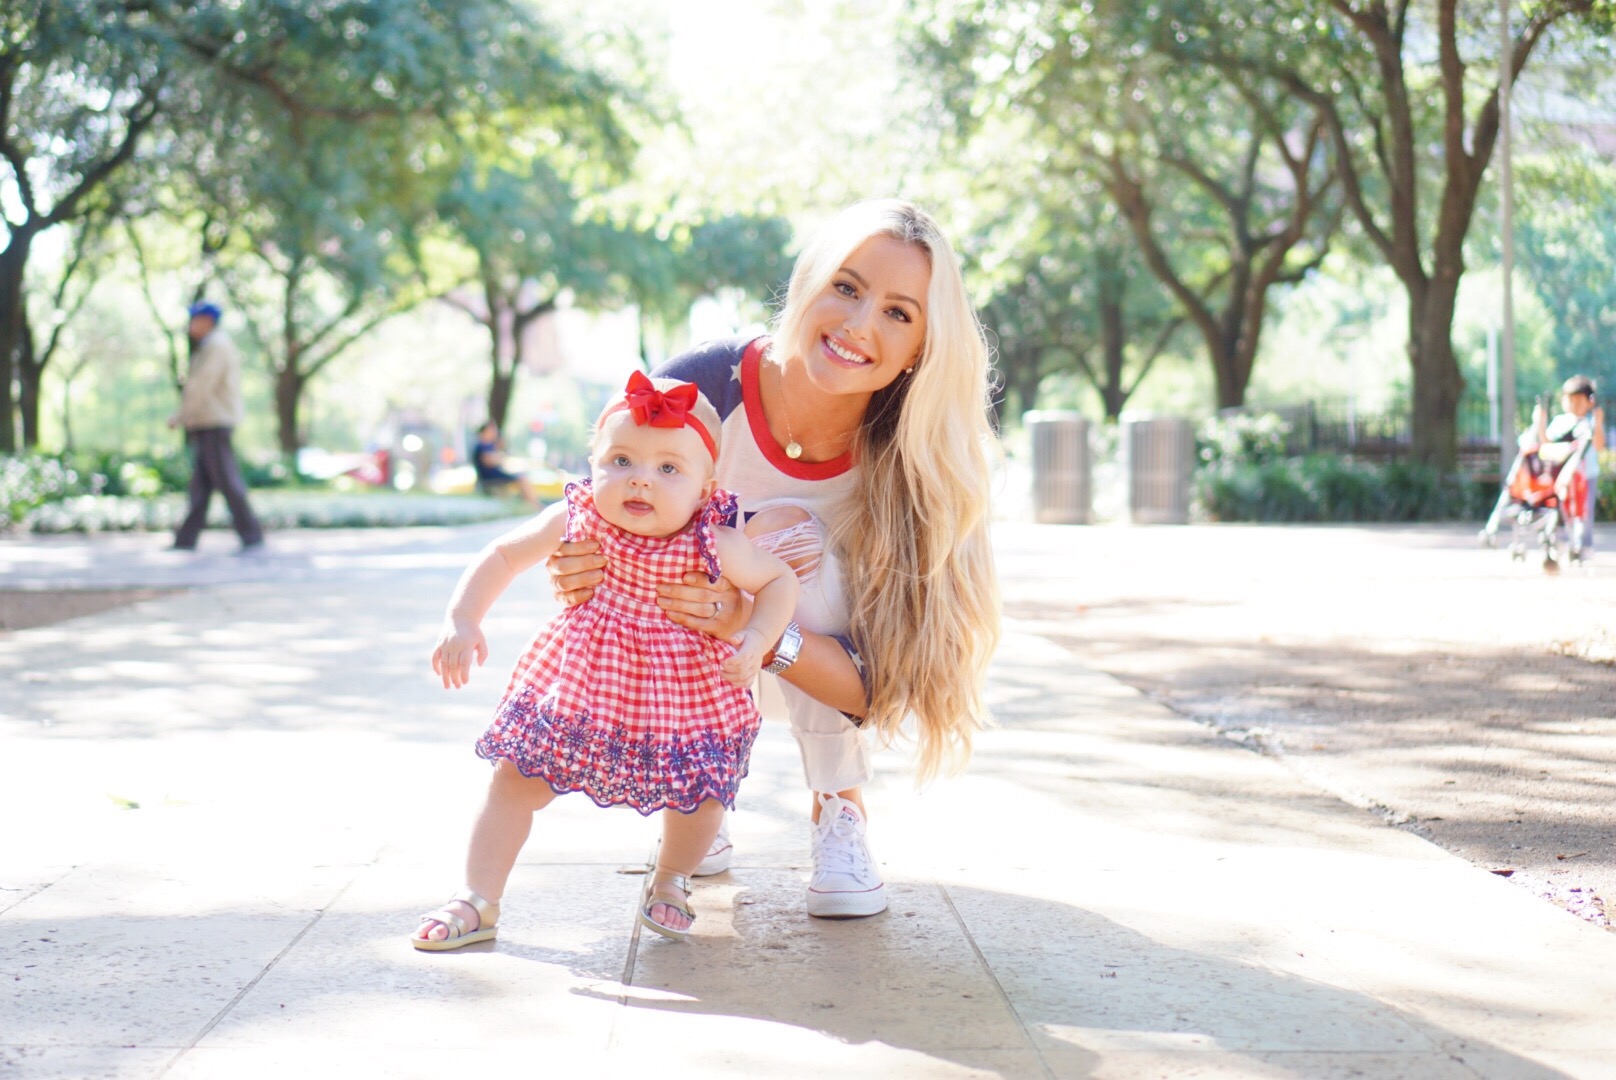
(735, 373)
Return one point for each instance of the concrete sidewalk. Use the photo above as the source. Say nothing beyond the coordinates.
(227, 807)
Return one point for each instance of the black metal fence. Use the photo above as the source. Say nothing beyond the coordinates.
(1335, 427)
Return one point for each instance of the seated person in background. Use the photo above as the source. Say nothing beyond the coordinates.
(488, 458)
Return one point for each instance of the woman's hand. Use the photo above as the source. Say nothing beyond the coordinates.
(713, 607)
(575, 569)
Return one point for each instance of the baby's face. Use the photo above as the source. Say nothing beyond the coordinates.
(1576, 404)
(649, 481)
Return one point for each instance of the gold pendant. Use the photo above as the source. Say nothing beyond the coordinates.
(793, 451)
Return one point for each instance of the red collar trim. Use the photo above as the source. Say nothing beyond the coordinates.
(752, 396)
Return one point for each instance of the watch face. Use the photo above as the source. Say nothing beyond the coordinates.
(785, 654)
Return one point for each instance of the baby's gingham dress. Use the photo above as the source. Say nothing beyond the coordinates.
(614, 699)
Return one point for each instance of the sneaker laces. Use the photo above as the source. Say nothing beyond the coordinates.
(839, 844)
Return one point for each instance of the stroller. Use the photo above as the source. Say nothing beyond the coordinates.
(1544, 497)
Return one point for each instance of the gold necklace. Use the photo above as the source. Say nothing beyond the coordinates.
(793, 447)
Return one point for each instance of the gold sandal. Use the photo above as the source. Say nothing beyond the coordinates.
(678, 881)
(459, 937)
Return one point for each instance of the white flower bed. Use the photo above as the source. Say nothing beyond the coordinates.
(277, 510)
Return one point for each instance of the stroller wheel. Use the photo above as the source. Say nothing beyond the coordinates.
(1487, 538)
(1517, 553)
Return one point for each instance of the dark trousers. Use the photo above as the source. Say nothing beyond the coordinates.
(214, 468)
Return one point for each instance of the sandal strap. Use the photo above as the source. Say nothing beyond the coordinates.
(487, 914)
(678, 881)
(487, 910)
(457, 925)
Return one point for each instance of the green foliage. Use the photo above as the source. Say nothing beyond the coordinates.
(1605, 507)
(31, 480)
(1567, 238)
(1335, 489)
(1137, 164)
(276, 509)
(308, 138)
(1242, 439)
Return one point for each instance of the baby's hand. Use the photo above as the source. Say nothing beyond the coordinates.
(742, 668)
(457, 646)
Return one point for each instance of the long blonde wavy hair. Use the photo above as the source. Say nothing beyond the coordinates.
(913, 535)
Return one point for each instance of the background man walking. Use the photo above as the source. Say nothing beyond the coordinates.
(210, 407)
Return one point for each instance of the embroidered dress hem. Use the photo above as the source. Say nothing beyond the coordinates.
(614, 765)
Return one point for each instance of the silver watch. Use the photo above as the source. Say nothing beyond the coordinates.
(785, 653)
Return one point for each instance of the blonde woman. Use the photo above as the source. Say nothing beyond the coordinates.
(856, 438)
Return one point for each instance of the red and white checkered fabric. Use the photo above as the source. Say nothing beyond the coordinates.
(615, 700)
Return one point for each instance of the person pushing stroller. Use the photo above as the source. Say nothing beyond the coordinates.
(1554, 480)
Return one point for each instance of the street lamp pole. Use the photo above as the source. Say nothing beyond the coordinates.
(1506, 179)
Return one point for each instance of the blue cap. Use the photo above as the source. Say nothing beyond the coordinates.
(206, 307)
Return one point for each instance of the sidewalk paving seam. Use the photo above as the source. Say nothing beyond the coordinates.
(241, 994)
(29, 895)
(633, 957)
(998, 988)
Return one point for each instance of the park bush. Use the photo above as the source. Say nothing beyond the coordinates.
(1242, 439)
(288, 509)
(32, 480)
(105, 491)
(28, 481)
(1605, 508)
(1336, 489)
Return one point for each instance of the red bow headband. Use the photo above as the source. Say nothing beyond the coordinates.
(663, 408)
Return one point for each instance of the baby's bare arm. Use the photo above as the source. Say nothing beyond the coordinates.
(461, 641)
(773, 586)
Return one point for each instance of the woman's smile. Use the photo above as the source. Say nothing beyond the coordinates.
(840, 350)
(868, 324)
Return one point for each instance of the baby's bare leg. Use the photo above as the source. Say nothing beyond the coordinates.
(497, 836)
(685, 840)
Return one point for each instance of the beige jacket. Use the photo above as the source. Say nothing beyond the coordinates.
(212, 395)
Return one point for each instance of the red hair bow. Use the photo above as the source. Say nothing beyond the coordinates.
(663, 408)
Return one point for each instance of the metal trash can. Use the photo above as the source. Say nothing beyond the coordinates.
(1062, 467)
(1158, 460)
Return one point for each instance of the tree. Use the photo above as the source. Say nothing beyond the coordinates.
(97, 90)
(744, 254)
(1409, 100)
(81, 82)
(1567, 237)
(1073, 295)
(324, 247)
(1224, 183)
(531, 245)
(312, 273)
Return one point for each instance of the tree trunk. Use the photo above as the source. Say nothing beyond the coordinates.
(13, 261)
(499, 395)
(289, 384)
(1026, 374)
(29, 371)
(1231, 388)
(504, 338)
(1438, 383)
(1113, 343)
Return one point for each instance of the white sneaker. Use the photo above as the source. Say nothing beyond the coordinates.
(716, 861)
(846, 884)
